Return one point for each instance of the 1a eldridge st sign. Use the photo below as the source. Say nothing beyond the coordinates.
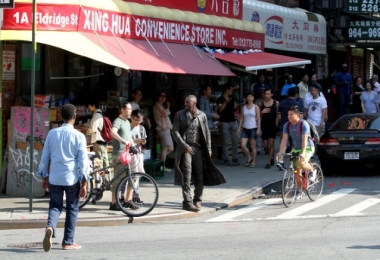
(362, 6)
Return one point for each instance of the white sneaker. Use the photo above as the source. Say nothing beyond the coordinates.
(313, 175)
(298, 195)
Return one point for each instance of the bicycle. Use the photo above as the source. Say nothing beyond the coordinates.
(145, 190)
(289, 186)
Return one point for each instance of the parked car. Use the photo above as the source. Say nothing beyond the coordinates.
(351, 143)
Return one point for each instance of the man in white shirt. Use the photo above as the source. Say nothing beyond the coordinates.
(303, 88)
(315, 109)
(375, 82)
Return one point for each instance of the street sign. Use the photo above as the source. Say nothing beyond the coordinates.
(363, 30)
(362, 6)
(7, 4)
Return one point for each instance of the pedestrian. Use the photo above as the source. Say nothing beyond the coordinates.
(343, 82)
(259, 86)
(161, 112)
(226, 107)
(249, 127)
(121, 133)
(99, 145)
(64, 167)
(289, 84)
(357, 91)
(315, 109)
(193, 154)
(269, 124)
(303, 87)
(370, 99)
(204, 105)
(376, 84)
(282, 117)
(136, 98)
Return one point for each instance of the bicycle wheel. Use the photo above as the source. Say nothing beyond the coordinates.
(314, 190)
(289, 188)
(145, 194)
(85, 200)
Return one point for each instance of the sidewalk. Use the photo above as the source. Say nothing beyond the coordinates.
(243, 183)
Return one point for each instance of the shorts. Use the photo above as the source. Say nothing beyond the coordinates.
(268, 133)
(308, 154)
(165, 137)
(116, 170)
(249, 133)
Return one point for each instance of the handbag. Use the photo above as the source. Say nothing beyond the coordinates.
(125, 157)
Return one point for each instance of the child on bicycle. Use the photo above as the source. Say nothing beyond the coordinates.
(302, 144)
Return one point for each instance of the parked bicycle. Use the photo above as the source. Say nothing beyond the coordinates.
(145, 190)
(289, 187)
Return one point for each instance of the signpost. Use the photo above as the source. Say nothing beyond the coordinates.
(362, 6)
(363, 30)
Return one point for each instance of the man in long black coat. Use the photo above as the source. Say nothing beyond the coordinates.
(193, 154)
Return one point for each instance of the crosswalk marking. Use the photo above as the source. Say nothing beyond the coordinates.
(233, 214)
(322, 201)
(357, 208)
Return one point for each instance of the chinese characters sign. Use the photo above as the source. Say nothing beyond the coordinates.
(362, 6)
(226, 8)
(363, 30)
(290, 34)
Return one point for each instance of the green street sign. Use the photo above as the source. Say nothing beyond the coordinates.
(363, 30)
(362, 6)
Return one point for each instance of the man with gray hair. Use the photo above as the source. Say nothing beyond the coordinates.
(375, 82)
(193, 154)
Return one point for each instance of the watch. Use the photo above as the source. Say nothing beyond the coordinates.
(118, 71)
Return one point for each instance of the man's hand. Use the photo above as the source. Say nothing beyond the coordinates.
(83, 191)
(189, 150)
(45, 184)
(216, 116)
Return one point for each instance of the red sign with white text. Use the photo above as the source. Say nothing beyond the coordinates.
(226, 8)
(52, 17)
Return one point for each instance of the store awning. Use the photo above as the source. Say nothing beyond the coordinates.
(261, 60)
(161, 57)
(71, 41)
(127, 53)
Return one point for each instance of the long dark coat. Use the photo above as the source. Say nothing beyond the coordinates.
(211, 175)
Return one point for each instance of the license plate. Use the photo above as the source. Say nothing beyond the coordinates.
(351, 155)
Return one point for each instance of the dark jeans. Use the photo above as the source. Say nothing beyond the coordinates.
(72, 209)
(344, 103)
(191, 166)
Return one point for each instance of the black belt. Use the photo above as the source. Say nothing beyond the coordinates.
(101, 142)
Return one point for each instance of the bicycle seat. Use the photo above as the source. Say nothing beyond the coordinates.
(92, 156)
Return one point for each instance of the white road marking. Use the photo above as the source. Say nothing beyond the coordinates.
(235, 213)
(356, 209)
(312, 205)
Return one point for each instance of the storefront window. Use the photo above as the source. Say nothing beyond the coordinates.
(26, 70)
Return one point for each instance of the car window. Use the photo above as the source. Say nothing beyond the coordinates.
(357, 123)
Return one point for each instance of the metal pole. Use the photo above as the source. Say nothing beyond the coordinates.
(1, 105)
(32, 90)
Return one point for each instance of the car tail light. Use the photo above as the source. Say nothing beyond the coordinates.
(329, 141)
(372, 141)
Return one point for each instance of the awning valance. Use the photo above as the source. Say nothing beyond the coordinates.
(261, 60)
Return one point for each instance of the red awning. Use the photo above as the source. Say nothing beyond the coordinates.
(156, 57)
(260, 60)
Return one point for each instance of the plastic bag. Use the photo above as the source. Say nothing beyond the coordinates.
(125, 157)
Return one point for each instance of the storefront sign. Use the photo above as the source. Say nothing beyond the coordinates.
(85, 19)
(362, 6)
(226, 8)
(363, 30)
(9, 71)
(290, 34)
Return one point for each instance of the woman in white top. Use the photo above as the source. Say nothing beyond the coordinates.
(249, 126)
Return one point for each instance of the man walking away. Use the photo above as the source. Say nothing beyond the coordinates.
(64, 169)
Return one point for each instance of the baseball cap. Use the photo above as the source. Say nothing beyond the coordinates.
(344, 65)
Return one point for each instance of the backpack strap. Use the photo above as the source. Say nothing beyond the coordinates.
(300, 126)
